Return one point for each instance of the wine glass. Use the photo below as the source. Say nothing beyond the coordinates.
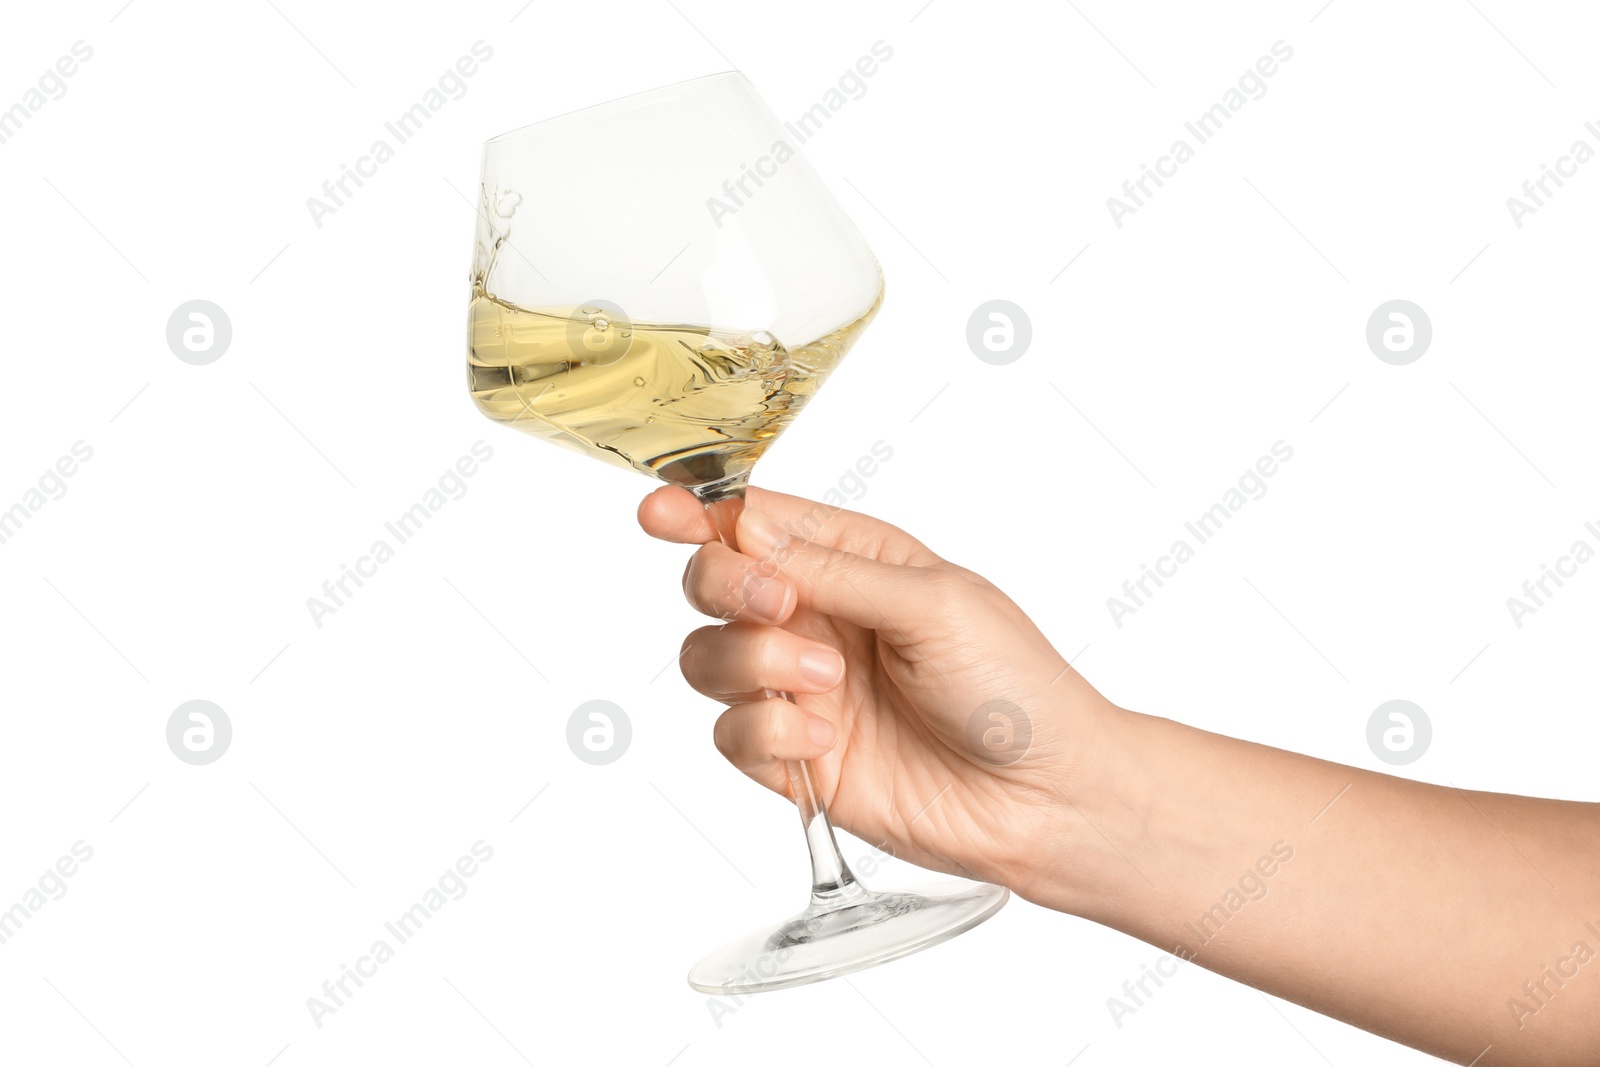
(663, 282)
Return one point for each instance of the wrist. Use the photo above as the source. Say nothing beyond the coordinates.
(1082, 858)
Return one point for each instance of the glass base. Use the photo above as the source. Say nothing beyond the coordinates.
(846, 930)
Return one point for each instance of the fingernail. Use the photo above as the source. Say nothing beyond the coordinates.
(759, 535)
(821, 666)
(766, 598)
(821, 731)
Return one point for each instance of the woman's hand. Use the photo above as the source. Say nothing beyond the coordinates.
(945, 729)
(940, 722)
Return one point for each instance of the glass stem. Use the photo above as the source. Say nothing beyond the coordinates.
(830, 875)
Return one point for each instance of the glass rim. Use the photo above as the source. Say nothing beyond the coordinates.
(615, 105)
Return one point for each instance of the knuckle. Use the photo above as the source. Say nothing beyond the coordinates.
(760, 656)
(813, 564)
(946, 592)
(774, 732)
(750, 581)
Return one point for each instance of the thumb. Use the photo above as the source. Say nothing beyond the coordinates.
(866, 592)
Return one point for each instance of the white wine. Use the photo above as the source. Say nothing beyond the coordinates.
(691, 405)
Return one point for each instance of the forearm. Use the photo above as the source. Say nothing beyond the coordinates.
(1412, 910)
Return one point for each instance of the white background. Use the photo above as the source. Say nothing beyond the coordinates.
(1227, 314)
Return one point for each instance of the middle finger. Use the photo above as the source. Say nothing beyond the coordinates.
(726, 584)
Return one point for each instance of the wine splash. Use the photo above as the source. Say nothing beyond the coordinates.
(688, 404)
